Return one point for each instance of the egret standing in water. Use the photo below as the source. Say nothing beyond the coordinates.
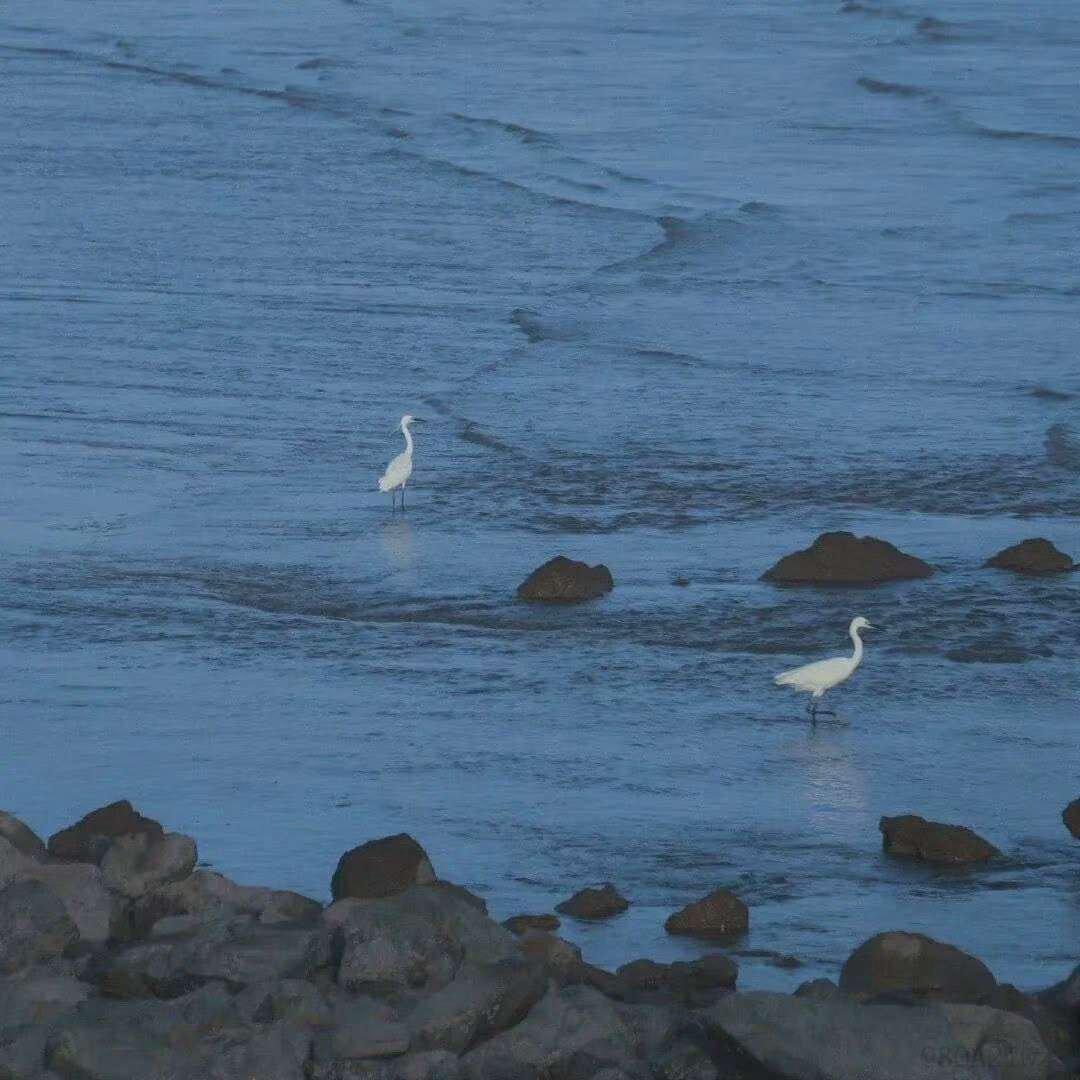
(400, 469)
(823, 675)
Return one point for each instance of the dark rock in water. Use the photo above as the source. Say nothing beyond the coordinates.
(800, 1039)
(695, 983)
(34, 926)
(594, 903)
(21, 836)
(1071, 816)
(562, 958)
(818, 990)
(841, 558)
(720, 914)
(898, 962)
(381, 868)
(562, 580)
(520, 924)
(931, 841)
(88, 840)
(1036, 556)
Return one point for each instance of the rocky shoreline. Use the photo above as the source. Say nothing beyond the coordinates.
(121, 960)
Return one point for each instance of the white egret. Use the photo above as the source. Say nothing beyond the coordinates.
(823, 675)
(400, 469)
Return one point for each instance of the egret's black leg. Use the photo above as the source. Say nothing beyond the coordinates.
(402, 496)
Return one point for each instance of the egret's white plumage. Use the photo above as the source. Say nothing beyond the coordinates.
(400, 468)
(823, 675)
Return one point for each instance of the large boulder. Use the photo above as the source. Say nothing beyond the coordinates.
(365, 1029)
(1071, 817)
(92, 907)
(562, 580)
(234, 953)
(719, 914)
(135, 863)
(39, 996)
(380, 868)
(34, 926)
(89, 838)
(916, 965)
(21, 836)
(695, 982)
(208, 896)
(803, 1039)
(1035, 556)
(198, 1037)
(481, 1001)
(417, 941)
(567, 1025)
(841, 558)
(932, 841)
(592, 903)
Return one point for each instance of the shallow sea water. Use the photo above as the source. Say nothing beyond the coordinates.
(676, 290)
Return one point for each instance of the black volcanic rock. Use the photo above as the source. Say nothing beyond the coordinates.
(1036, 556)
(381, 867)
(933, 841)
(562, 580)
(841, 558)
(594, 903)
(900, 963)
(720, 914)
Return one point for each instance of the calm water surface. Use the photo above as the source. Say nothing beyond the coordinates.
(677, 286)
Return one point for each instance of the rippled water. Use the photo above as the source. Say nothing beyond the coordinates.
(677, 286)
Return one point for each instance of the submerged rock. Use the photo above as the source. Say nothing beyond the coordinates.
(594, 903)
(913, 964)
(562, 580)
(841, 558)
(89, 838)
(932, 841)
(1071, 816)
(1036, 556)
(720, 914)
(695, 983)
(381, 868)
(521, 924)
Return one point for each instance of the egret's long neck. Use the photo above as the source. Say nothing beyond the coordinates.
(408, 439)
(856, 656)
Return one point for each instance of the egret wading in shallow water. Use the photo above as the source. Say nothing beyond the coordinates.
(400, 469)
(823, 675)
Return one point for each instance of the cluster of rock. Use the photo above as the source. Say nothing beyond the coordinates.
(120, 960)
(834, 558)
